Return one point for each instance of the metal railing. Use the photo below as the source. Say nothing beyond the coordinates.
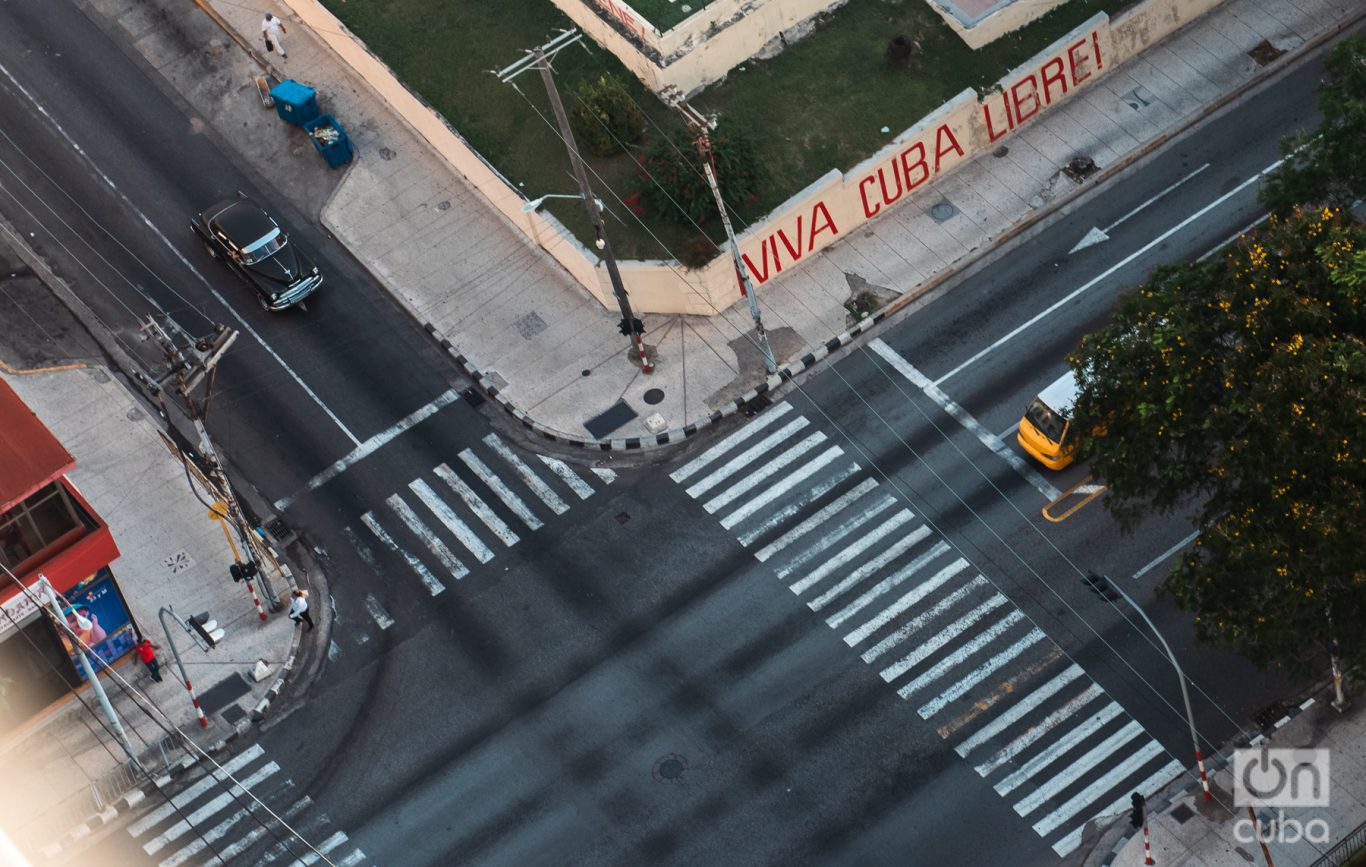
(1345, 849)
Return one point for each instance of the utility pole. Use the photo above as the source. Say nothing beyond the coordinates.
(540, 59)
(702, 128)
(187, 374)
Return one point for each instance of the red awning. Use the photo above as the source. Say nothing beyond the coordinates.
(30, 456)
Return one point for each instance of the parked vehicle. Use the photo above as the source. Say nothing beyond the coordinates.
(1047, 422)
(243, 235)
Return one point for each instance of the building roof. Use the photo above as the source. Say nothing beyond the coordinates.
(30, 456)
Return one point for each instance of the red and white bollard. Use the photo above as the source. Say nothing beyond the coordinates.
(203, 720)
(1147, 847)
(646, 366)
(1204, 781)
(260, 609)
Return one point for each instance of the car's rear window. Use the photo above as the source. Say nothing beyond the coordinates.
(264, 247)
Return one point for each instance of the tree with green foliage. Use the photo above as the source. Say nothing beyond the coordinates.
(605, 119)
(675, 186)
(1238, 387)
(1325, 165)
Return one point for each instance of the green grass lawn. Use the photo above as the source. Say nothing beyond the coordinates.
(664, 14)
(818, 105)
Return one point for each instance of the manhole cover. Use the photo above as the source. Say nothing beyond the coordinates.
(1000, 152)
(654, 396)
(670, 769)
(942, 211)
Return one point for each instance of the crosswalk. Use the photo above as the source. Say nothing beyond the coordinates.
(467, 510)
(1002, 694)
(214, 821)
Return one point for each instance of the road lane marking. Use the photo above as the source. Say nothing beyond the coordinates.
(1037, 730)
(247, 841)
(482, 510)
(817, 519)
(1165, 554)
(988, 439)
(960, 654)
(917, 593)
(1018, 711)
(839, 531)
(495, 484)
(1050, 823)
(1155, 782)
(1052, 308)
(212, 807)
(1055, 750)
(446, 515)
(1084, 492)
(887, 585)
(945, 635)
(769, 469)
(218, 832)
(725, 445)
(568, 476)
(161, 813)
(977, 675)
(733, 465)
(1235, 236)
(426, 577)
(806, 499)
(381, 617)
(364, 449)
(434, 544)
(849, 553)
(1069, 775)
(527, 475)
(896, 549)
(808, 469)
(1095, 236)
(605, 474)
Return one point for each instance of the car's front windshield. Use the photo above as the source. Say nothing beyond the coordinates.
(264, 247)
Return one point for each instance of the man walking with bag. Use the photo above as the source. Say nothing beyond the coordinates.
(273, 31)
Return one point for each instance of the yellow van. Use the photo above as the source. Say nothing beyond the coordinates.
(1046, 423)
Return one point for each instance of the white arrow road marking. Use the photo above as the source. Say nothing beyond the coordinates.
(1095, 236)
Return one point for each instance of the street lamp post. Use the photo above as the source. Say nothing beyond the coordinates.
(1181, 676)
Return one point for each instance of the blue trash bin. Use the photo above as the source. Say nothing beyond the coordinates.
(331, 140)
(295, 103)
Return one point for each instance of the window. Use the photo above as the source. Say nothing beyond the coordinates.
(45, 519)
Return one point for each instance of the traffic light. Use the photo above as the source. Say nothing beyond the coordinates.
(635, 327)
(243, 571)
(1100, 586)
(1136, 817)
(206, 632)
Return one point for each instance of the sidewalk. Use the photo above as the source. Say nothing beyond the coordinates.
(63, 770)
(1218, 834)
(554, 353)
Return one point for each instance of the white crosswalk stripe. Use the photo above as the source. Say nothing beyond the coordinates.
(246, 812)
(423, 573)
(503, 492)
(570, 478)
(527, 475)
(433, 542)
(446, 515)
(476, 504)
(1030, 721)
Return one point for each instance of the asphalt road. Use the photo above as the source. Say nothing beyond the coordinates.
(617, 679)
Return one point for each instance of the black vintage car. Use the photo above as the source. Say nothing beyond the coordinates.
(253, 244)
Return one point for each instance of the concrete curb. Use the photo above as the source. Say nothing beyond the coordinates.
(263, 706)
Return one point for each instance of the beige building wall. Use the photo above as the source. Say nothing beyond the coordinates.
(1146, 23)
(998, 24)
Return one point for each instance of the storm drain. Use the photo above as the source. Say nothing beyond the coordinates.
(670, 769)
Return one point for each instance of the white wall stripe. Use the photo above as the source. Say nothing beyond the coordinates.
(212, 807)
(1112, 779)
(1077, 770)
(961, 654)
(608, 476)
(807, 470)
(844, 557)
(735, 464)
(779, 517)
(815, 520)
(886, 585)
(426, 577)
(1037, 730)
(979, 674)
(896, 549)
(495, 484)
(568, 476)
(963, 417)
(527, 474)
(438, 548)
(382, 618)
(482, 510)
(446, 515)
(160, 814)
(942, 637)
(744, 433)
(1153, 783)
(1055, 749)
(913, 597)
(756, 478)
(1017, 711)
(219, 831)
(848, 525)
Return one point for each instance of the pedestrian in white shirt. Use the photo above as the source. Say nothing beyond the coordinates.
(298, 608)
(273, 31)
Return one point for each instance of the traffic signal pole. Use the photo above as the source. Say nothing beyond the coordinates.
(1181, 676)
(180, 666)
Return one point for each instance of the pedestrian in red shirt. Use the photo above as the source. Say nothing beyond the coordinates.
(147, 652)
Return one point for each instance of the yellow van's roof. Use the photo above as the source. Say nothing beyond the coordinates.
(1061, 394)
